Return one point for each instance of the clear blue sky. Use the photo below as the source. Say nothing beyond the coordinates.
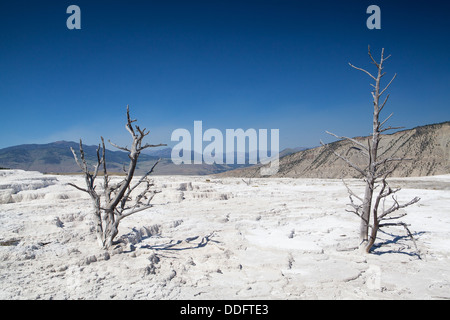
(232, 64)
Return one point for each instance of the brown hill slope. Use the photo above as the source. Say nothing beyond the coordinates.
(428, 146)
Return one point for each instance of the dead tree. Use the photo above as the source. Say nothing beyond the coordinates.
(374, 216)
(119, 199)
(249, 181)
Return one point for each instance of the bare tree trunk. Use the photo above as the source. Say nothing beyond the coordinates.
(365, 214)
(111, 229)
(98, 221)
(373, 150)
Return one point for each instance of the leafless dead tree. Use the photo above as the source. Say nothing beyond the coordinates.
(373, 216)
(248, 182)
(119, 200)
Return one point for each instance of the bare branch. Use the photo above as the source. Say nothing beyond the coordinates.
(357, 208)
(381, 59)
(391, 128)
(106, 180)
(77, 187)
(129, 125)
(76, 159)
(350, 139)
(138, 205)
(152, 146)
(373, 60)
(99, 162)
(360, 69)
(355, 212)
(351, 192)
(129, 213)
(143, 178)
(395, 76)
(394, 218)
(142, 132)
(391, 160)
(119, 147)
(384, 103)
(385, 59)
(381, 125)
(384, 173)
(361, 171)
(89, 178)
(396, 206)
(83, 157)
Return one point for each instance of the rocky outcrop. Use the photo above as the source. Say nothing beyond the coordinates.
(428, 147)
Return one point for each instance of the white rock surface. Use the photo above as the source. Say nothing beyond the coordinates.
(219, 239)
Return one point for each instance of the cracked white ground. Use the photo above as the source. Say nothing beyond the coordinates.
(210, 238)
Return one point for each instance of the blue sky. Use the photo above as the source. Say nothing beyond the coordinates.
(232, 64)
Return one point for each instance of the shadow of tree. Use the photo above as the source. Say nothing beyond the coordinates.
(180, 245)
(395, 239)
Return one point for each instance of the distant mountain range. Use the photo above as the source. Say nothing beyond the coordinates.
(167, 153)
(56, 157)
(427, 146)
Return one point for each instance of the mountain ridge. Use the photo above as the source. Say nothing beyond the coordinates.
(56, 157)
(428, 146)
